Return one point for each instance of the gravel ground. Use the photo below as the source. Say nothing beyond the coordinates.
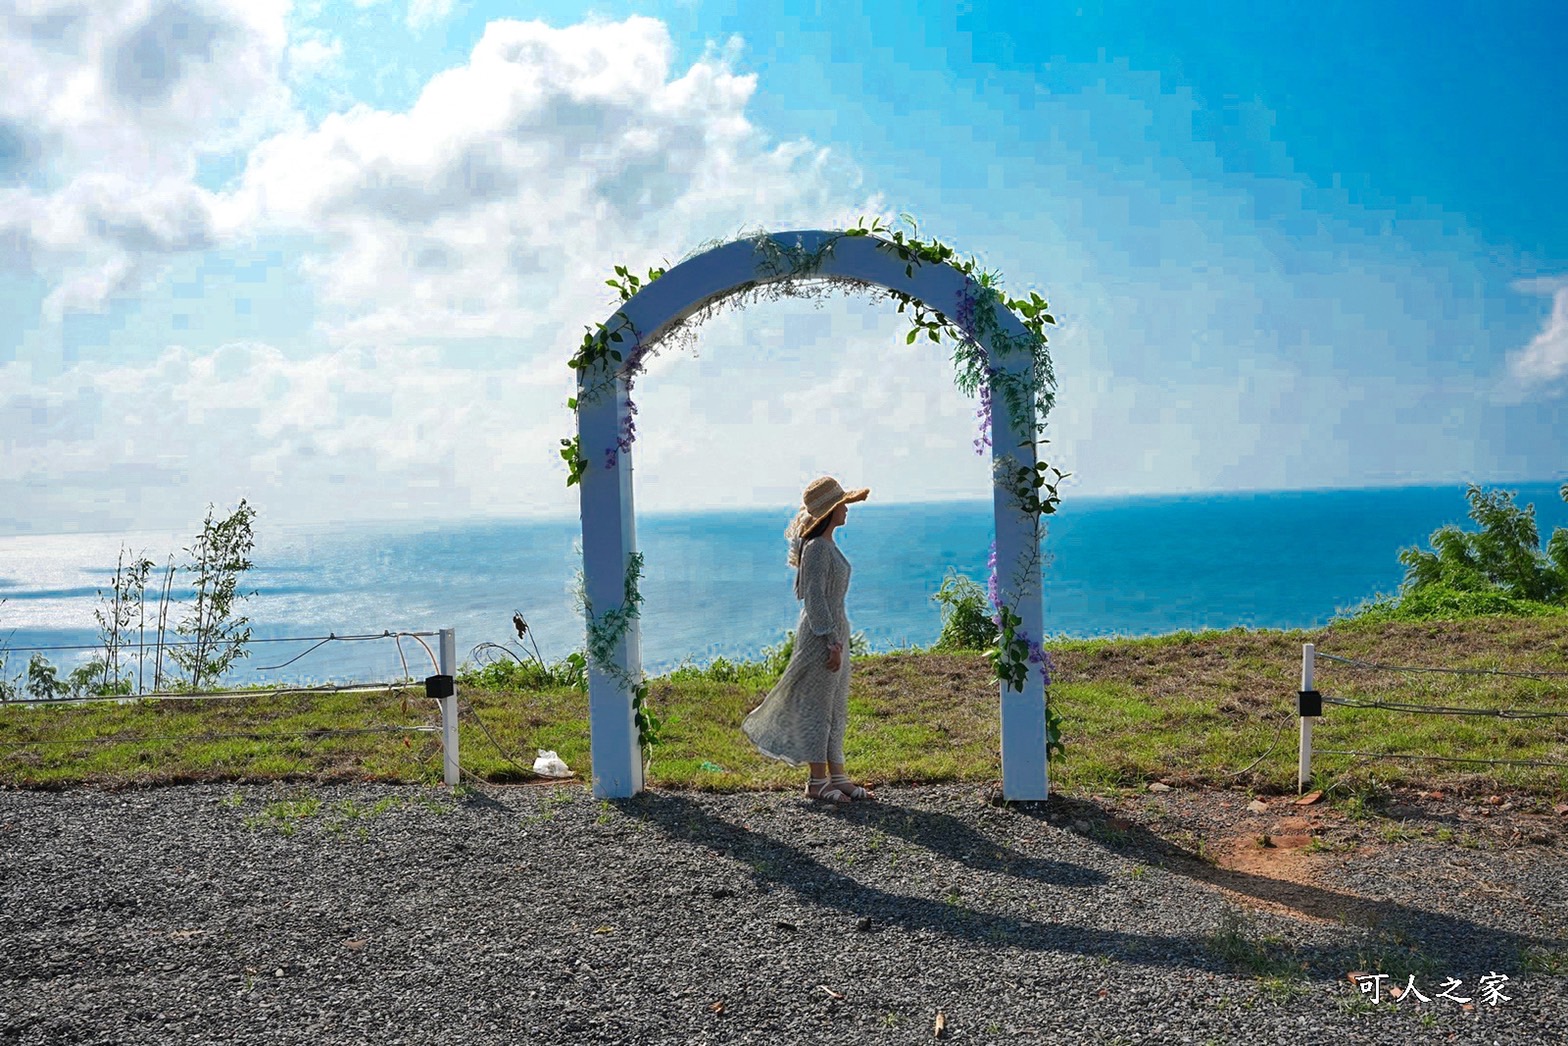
(328, 914)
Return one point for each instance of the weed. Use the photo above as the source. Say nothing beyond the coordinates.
(553, 801)
(1544, 960)
(1236, 942)
(293, 809)
(1358, 1005)
(1283, 988)
(1390, 950)
(1365, 799)
(434, 804)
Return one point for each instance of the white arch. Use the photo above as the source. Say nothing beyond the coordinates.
(608, 518)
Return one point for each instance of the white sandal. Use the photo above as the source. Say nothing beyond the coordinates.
(844, 786)
(824, 790)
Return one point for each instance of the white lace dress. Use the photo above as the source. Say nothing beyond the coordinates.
(802, 718)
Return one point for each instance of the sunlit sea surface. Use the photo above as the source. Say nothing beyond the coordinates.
(716, 583)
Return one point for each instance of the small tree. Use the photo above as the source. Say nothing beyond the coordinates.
(1504, 556)
(43, 684)
(163, 625)
(120, 609)
(216, 635)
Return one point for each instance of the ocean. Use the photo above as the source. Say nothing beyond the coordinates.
(716, 583)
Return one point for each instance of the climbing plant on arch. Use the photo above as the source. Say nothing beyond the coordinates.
(1000, 354)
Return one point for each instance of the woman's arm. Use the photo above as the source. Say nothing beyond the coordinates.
(815, 563)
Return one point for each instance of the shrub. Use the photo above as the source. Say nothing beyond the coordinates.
(1504, 557)
(967, 622)
(532, 674)
(1440, 603)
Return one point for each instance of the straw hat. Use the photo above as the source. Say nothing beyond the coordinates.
(821, 498)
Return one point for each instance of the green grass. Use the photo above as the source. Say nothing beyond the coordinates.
(1237, 942)
(1194, 708)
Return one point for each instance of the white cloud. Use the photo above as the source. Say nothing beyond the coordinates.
(110, 108)
(312, 54)
(424, 13)
(496, 205)
(782, 392)
(350, 434)
(1543, 363)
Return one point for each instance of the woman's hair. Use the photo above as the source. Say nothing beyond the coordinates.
(819, 529)
(797, 538)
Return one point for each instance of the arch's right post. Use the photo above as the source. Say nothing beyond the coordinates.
(1024, 767)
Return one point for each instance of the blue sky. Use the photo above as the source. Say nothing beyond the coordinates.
(332, 257)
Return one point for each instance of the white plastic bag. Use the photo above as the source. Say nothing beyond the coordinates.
(550, 765)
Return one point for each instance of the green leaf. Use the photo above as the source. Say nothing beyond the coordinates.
(912, 335)
(571, 404)
(615, 355)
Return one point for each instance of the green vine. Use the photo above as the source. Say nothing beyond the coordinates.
(1010, 660)
(604, 633)
(969, 324)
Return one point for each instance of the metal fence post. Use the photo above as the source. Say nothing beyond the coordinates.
(449, 708)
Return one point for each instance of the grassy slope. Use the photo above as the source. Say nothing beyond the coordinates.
(1199, 708)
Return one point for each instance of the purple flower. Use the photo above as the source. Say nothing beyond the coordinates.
(1039, 656)
(983, 412)
(634, 362)
(964, 314)
(991, 586)
(628, 427)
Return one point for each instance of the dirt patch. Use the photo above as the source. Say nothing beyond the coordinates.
(1279, 858)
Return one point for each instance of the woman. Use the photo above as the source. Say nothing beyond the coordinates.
(802, 718)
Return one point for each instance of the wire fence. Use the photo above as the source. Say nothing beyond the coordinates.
(1310, 704)
(439, 687)
(137, 655)
(1375, 666)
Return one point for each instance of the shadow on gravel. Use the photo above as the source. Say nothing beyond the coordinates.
(1388, 929)
(781, 865)
(1402, 935)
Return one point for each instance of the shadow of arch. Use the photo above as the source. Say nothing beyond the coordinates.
(1435, 936)
(781, 865)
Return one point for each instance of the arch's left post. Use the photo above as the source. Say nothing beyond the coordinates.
(609, 539)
